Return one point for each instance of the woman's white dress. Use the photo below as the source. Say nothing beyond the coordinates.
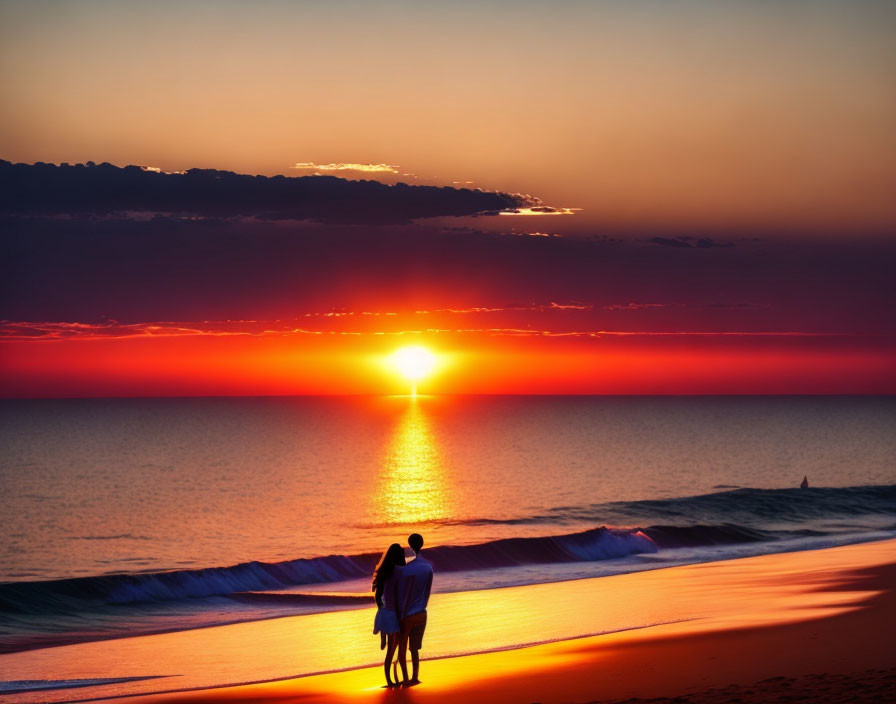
(386, 620)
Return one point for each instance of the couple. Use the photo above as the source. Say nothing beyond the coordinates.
(402, 592)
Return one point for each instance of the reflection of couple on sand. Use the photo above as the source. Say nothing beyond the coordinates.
(402, 593)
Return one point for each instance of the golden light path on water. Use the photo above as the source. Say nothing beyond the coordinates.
(412, 485)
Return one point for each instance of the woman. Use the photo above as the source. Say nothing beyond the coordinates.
(386, 622)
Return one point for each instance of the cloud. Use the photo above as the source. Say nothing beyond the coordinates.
(685, 242)
(636, 306)
(61, 330)
(669, 242)
(718, 306)
(539, 210)
(706, 243)
(340, 166)
(104, 189)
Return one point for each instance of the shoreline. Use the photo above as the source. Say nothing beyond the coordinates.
(354, 601)
(815, 657)
(768, 597)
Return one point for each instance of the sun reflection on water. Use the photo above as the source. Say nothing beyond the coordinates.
(412, 487)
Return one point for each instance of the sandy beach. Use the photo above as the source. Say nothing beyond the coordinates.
(806, 626)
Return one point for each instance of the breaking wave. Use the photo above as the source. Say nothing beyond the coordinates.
(725, 518)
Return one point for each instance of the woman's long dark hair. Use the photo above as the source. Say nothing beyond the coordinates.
(393, 556)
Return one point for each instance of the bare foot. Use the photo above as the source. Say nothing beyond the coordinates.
(411, 683)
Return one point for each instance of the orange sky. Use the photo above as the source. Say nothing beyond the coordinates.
(684, 114)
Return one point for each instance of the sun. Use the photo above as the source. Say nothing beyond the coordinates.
(414, 363)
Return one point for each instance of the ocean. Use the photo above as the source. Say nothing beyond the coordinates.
(125, 517)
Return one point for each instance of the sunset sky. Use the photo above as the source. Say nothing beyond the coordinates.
(719, 176)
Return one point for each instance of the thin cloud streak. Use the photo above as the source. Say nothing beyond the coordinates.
(340, 166)
(539, 210)
(61, 330)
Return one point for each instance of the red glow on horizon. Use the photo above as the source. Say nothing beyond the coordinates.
(198, 365)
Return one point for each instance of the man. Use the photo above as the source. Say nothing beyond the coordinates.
(414, 585)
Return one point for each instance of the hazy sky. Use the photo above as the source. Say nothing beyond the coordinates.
(658, 114)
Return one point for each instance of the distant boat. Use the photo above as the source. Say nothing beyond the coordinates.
(805, 483)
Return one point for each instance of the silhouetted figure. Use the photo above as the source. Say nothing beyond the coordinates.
(805, 483)
(385, 588)
(414, 586)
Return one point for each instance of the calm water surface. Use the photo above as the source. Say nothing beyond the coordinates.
(106, 486)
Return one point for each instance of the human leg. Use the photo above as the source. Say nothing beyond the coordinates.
(415, 666)
(403, 655)
(415, 626)
(391, 645)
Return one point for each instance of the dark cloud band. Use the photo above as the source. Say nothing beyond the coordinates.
(47, 189)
